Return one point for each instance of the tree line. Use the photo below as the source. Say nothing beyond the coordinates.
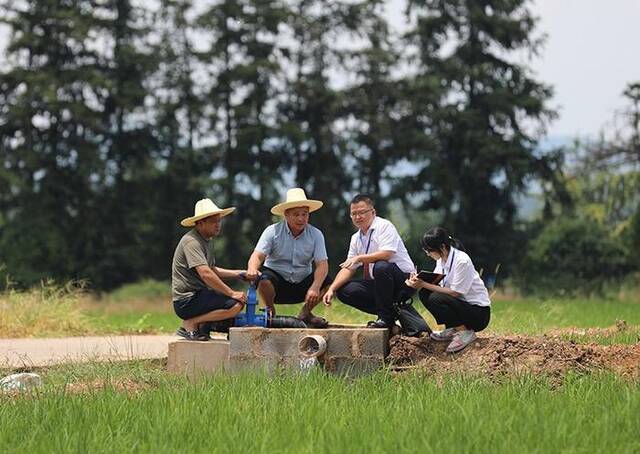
(116, 116)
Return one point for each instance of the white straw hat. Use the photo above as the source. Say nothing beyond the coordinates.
(205, 208)
(296, 198)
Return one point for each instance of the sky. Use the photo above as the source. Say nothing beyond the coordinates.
(592, 52)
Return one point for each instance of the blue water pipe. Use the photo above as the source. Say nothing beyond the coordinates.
(250, 317)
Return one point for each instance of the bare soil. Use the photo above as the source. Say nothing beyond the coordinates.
(547, 355)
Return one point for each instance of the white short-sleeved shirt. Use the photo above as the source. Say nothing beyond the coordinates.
(292, 257)
(381, 236)
(462, 277)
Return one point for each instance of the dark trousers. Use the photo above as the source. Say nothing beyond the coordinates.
(451, 312)
(377, 296)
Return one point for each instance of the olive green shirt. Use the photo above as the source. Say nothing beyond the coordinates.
(192, 251)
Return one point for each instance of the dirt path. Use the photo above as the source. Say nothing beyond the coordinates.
(15, 353)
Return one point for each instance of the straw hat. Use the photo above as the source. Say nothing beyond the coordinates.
(205, 208)
(296, 198)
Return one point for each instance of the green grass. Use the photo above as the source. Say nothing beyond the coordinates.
(146, 307)
(526, 316)
(319, 413)
(147, 289)
(537, 315)
(134, 322)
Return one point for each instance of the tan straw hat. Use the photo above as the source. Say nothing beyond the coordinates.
(205, 208)
(296, 198)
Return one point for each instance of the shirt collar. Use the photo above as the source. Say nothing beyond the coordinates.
(199, 235)
(449, 258)
(371, 227)
(288, 230)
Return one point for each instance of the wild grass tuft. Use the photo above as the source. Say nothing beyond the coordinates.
(47, 310)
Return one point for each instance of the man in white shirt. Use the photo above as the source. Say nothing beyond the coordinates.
(379, 251)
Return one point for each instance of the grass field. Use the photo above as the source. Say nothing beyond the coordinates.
(137, 408)
(145, 308)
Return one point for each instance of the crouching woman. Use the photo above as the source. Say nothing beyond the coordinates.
(460, 301)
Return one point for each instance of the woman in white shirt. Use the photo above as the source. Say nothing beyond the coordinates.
(460, 301)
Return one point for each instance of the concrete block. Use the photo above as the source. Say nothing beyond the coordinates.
(279, 343)
(368, 342)
(349, 350)
(193, 357)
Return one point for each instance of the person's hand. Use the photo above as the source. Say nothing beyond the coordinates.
(413, 281)
(328, 297)
(351, 262)
(252, 274)
(312, 296)
(239, 296)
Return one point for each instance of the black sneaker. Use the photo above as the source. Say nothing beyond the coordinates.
(379, 324)
(190, 335)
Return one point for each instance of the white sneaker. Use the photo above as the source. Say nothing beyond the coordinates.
(443, 336)
(461, 340)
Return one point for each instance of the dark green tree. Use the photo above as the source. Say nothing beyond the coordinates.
(374, 105)
(124, 236)
(483, 121)
(242, 60)
(182, 166)
(50, 132)
(311, 108)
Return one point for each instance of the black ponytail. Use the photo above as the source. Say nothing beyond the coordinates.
(437, 238)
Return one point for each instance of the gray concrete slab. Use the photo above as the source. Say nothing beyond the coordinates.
(195, 357)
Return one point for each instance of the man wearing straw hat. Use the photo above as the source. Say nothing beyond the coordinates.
(289, 249)
(198, 290)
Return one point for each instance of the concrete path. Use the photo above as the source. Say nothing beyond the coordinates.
(43, 352)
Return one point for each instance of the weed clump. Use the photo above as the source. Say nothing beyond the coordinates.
(46, 310)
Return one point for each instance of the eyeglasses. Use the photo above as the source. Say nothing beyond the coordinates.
(428, 251)
(355, 214)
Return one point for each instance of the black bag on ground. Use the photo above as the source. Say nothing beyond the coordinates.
(411, 321)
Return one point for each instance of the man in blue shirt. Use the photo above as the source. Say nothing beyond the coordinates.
(288, 250)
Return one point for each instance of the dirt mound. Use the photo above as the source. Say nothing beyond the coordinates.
(512, 355)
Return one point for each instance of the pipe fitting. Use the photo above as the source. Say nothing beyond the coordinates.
(312, 346)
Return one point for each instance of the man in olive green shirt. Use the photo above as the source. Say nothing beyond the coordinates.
(198, 291)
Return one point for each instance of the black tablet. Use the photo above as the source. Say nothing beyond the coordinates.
(429, 277)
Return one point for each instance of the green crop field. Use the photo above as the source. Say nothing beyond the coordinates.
(136, 408)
